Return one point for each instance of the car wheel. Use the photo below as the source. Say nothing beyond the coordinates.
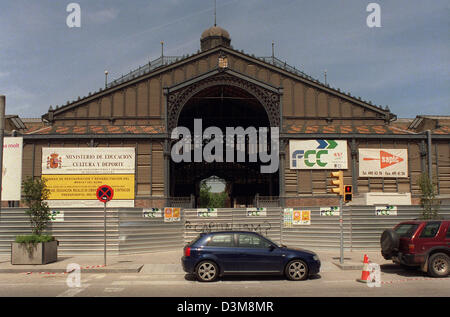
(389, 242)
(296, 270)
(207, 271)
(438, 265)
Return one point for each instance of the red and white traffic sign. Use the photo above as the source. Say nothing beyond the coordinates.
(105, 193)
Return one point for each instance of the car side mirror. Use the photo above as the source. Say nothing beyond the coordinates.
(271, 247)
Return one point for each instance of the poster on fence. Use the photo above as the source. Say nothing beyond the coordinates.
(329, 211)
(152, 213)
(172, 214)
(256, 212)
(57, 216)
(207, 212)
(287, 216)
(301, 217)
(385, 210)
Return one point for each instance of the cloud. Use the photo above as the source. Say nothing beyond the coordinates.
(102, 16)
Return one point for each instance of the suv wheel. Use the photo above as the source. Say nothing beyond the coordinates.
(438, 265)
(207, 271)
(296, 270)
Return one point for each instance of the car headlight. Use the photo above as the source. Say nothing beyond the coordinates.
(316, 257)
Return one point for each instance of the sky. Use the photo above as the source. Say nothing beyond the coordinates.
(404, 64)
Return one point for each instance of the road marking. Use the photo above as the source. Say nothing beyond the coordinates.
(113, 289)
(71, 292)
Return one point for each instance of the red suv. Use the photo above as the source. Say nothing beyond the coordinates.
(419, 243)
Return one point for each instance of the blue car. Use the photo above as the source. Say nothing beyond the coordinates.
(215, 254)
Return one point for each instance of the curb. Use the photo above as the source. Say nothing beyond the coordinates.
(85, 269)
(348, 267)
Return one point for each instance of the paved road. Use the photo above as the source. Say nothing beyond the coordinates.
(331, 282)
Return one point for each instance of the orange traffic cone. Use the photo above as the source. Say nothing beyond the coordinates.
(365, 271)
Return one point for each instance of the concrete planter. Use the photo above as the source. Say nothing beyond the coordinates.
(34, 253)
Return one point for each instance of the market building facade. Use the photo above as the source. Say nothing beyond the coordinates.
(321, 129)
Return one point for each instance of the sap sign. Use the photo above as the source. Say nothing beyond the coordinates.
(318, 154)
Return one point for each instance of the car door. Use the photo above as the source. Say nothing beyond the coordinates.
(256, 254)
(221, 247)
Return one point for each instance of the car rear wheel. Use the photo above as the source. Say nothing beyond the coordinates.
(389, 242)
(207, 271)
(438, 265)
(296, 270)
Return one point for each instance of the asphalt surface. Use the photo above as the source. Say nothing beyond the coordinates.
(332, 281)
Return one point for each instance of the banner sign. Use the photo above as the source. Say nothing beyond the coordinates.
(318, 154)
(84, 187)
(57, 216)
(256, 212)
(330, 211)
(385, 210)
(207, 212)
(172, 214)
(12, 168)
(383, 163)
(106, 160)
(152, 213)
(74, 174)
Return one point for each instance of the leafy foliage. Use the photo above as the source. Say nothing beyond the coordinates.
(34, 238)
(428, 199)
(207, 199)
(35, 194)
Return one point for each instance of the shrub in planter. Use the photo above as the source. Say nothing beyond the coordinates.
(36, 248)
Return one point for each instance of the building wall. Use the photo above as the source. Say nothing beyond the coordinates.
(315, 183)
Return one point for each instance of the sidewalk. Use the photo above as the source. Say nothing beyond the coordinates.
(168, 262)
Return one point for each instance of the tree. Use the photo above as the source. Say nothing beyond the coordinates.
(428, 199)
(207, 199)
(35, 194)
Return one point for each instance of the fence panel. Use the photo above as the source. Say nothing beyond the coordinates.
(323, 233)
(139, 234)
(81, 232)
(367, 227)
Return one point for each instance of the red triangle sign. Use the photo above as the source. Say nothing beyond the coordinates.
(388, 159)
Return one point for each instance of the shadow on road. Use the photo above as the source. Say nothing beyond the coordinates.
(393, 268)
(241, 278)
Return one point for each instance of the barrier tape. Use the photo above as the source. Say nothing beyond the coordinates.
(81, 268)
(414, 279)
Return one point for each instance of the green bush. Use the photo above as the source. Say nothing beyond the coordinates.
(34, 238)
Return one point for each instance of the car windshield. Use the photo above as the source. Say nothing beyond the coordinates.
(406, 230)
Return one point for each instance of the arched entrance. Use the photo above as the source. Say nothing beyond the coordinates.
(223, 102)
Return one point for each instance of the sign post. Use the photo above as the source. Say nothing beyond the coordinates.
(104, 193)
